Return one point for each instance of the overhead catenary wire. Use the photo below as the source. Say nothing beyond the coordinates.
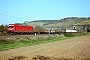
(13, 16)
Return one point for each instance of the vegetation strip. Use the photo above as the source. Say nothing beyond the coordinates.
(11, 44)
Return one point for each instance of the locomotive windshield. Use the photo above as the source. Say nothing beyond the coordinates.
(10, 26)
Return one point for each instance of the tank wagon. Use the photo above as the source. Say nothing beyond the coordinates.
(16, 28)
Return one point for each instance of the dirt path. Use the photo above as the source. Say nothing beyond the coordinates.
(70, 49)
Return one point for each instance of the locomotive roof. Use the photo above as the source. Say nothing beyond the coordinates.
(21, 24)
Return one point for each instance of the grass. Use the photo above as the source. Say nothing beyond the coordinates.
(11, 44)
(88, 34)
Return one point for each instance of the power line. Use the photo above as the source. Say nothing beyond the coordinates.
(13, 16)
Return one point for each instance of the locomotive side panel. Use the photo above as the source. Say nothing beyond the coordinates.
(19, 29)
(15, 28)
(28, 28)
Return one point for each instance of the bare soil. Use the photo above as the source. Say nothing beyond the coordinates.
(70, 49)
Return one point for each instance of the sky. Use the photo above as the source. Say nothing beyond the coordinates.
(18, 11)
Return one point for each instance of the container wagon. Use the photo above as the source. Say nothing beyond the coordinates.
(15, 29)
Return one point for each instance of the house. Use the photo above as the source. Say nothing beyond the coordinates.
(82, 26)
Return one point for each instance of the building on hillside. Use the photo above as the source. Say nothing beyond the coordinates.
(82, 26)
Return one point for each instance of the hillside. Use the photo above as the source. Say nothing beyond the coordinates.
(62, 23)
(87, 22)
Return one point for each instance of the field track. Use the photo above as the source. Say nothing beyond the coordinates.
(70, 49)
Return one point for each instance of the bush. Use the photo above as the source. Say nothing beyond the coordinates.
(69, 35)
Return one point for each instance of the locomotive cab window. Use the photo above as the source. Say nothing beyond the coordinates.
(10, 26)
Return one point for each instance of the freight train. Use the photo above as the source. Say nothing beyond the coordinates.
(23, 29)
(17, 29)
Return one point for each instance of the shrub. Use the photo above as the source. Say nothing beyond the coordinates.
(69, 35)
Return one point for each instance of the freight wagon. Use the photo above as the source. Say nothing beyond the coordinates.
(16, 28)
(68, 31)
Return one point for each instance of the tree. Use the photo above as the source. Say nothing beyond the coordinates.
(1, 28)
(25, 22)
(38, 29)
(88, 18)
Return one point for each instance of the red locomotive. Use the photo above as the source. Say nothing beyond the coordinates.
(16, 28)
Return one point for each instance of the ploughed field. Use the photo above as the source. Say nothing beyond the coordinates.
(71, 49)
